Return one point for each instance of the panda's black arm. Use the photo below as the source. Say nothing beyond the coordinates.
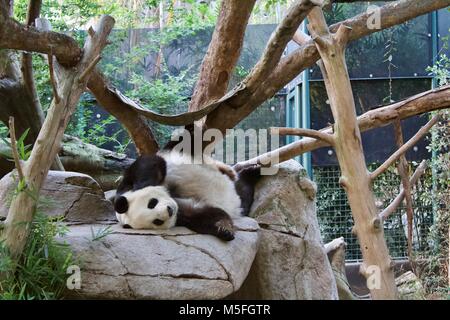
(205, 219)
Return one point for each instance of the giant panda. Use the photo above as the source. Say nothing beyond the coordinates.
(165, 190)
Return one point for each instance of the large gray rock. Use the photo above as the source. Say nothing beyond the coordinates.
(170, 264)
(291, 262)
(75, 196)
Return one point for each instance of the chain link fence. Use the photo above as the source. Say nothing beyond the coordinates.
(335, 218)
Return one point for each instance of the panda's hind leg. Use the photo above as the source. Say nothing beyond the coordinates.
(205, 219)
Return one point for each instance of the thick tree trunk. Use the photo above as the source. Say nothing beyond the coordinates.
(355, 178)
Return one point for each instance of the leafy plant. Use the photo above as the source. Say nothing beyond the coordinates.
(23, 150)
(41, 271)
(100, 233)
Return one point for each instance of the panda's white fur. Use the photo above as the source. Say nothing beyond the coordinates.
(200, 184)
(139, 216)
(203, 183)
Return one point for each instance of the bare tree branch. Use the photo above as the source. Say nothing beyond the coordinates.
(223, 52)
(319, 135)
(88, 71)
(278, 41)
(398, 200)
(354, 177)
(405, 147)
(421, 103)
(34, 9)
(403, 171)
(136, 124)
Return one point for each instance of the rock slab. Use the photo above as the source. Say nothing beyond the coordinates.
(169, 264)
(75, 196)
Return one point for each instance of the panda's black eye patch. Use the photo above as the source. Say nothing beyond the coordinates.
(152, 203)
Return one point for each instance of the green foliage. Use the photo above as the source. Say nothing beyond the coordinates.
(41, 271)
(23, 150)
(100, 233)
(434, 271)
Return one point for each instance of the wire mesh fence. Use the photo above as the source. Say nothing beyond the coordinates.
(335, 217)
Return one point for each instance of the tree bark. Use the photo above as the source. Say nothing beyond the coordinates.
(424, 102)
(223, 52)
(72, 85)
(14, 35)
(348, 146)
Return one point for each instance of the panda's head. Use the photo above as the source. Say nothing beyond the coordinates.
(141, 201)
(148, 208)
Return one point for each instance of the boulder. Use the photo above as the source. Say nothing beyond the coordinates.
(75, 196)
(119, 263)
(291, 262)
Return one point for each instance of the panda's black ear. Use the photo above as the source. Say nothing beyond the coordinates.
(121, 204)
(145, 171)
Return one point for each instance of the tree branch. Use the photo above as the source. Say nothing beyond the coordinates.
(421, 103)
(14, 35)
(411, 142)
(34, 9)
(223, 52)
(124, 111)
(278, 41)
(398, 200)
(319, 135)
(403, 171)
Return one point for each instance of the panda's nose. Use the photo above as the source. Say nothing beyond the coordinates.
(170, 211)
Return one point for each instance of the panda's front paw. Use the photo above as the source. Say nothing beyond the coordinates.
(225, 230)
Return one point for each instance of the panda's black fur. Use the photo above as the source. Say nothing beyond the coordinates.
(150, 174)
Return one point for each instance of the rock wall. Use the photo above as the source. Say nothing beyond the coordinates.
(291, 262)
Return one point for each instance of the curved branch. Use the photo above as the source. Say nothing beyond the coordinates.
(411, 142)
(135, 124)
